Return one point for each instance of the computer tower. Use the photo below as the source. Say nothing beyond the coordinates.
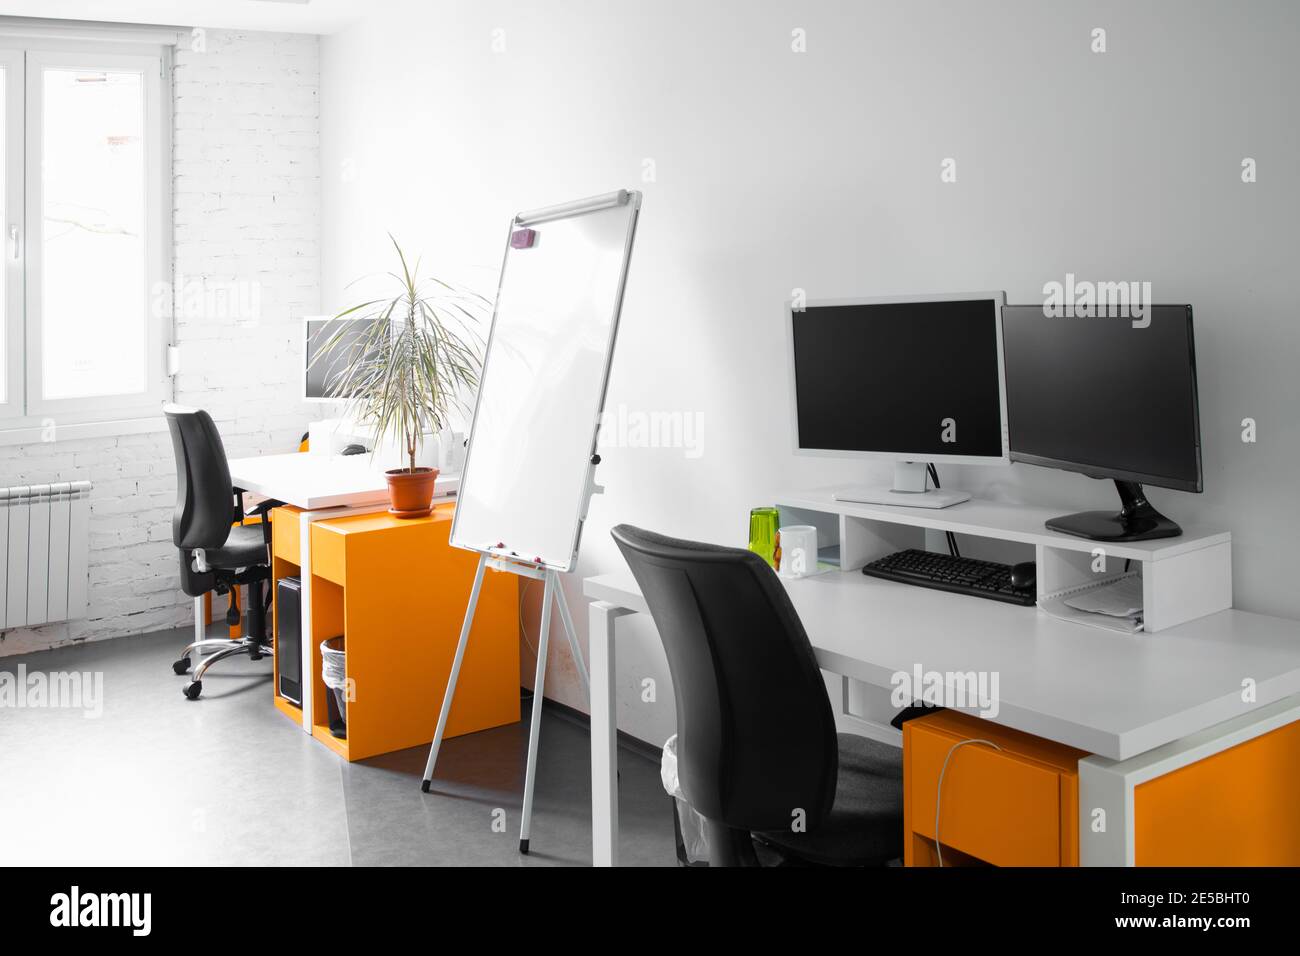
(288, 638)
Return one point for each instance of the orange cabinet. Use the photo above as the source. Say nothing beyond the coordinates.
(1234, 808)
(396, 591)
(1013, 806)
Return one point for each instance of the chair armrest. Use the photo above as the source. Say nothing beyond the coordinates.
(259, 510)
(262, 507)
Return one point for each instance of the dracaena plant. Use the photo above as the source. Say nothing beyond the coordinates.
(413, 362)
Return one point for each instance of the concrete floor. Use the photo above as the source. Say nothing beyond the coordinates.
(227, 780)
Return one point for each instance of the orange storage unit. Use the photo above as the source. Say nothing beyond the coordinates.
(1219, 812)
(1017, 806)
(397, 592)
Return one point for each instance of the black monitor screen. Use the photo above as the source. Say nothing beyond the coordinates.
(917, 378)
(1104, 396)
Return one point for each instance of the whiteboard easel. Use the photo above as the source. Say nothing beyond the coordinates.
(530, 470)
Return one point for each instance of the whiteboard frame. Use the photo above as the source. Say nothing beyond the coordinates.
(567, 210)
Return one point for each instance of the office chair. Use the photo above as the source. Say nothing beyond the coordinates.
(757, 751)
(215, 554)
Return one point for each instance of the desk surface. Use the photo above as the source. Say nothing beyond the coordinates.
(1111, 694)
(314, 482)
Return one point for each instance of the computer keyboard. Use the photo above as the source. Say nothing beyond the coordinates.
(986, 579)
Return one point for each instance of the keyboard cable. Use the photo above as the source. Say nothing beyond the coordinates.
(952, 540)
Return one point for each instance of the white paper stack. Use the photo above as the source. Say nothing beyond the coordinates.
(1122, 598)
(1115, 604)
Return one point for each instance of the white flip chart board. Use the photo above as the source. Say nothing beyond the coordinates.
(529, 471)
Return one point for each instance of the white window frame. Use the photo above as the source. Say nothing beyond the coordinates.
(12, 396)
(26, 415)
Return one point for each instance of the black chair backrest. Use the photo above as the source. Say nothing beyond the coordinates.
(756, 739)
(204, 496)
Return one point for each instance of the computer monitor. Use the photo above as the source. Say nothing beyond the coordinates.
(1110, 398)
(319, 377)
(909, 379)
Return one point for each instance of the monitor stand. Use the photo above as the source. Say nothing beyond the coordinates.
(1136, 520)
(911, 490)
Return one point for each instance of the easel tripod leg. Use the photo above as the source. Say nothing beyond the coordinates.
(539, 686)
(455, 674)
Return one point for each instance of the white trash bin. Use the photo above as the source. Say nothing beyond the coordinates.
(692, 843)
(334, 675)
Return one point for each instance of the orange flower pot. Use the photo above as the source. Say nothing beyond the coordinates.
(410, 493)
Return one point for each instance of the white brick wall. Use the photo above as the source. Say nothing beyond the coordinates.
(246, 204)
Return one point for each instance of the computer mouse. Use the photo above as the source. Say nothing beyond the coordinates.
(354, 450)
(1024, 575)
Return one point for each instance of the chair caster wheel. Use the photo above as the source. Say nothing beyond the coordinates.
(181, 666)
(193, 689)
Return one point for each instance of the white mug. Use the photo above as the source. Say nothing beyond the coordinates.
(798, 550)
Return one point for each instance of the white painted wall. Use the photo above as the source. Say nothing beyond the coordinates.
(246, 193)
(775, 169)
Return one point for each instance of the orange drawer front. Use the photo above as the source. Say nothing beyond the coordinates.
(285, 533)
(999, 807)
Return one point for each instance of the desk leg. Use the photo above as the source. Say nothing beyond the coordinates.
(304, 619)
(604, 735)
(1202, 771)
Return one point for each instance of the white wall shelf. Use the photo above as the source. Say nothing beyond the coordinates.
(1183, 578)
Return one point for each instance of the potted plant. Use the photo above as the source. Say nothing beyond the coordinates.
(403, 374)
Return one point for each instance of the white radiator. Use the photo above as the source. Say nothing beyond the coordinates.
(44, 550)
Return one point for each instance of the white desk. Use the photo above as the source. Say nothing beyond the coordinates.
(322, 486)
(1114, 695)
(312, 482)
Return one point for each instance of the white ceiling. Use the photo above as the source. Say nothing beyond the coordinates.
(292, 16)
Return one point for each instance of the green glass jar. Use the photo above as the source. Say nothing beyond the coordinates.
(763, 524)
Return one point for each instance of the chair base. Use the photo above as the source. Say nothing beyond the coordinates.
(255, 650)
(213, 644)
(257, 644)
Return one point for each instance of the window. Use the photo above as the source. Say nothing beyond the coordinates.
(85, 215)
